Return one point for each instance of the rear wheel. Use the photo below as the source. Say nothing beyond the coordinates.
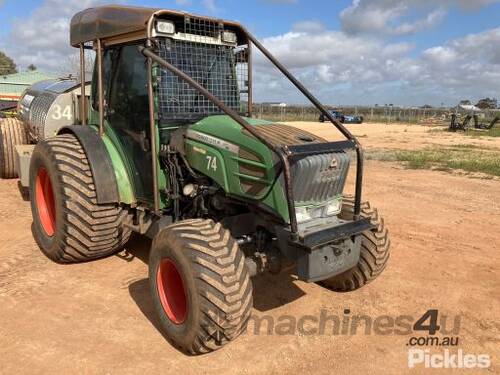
(12, 133)
(68, 224)
(375, 246)
(200, 285)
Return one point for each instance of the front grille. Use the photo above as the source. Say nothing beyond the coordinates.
(318, 178)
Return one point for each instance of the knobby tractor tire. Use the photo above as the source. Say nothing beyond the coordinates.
(12, 133)
(68, 224)
(375, 250)
(200, 285)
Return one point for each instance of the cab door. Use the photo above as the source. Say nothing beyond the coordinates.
(127, 112)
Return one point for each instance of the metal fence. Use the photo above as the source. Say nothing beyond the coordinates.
(389, 114)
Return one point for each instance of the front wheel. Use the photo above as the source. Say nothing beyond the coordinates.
(375, 250)
(200, 285)
(68, 223)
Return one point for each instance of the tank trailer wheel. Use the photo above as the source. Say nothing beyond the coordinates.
(68, 224)
(375, 251)
(200, 285)
(12, 133)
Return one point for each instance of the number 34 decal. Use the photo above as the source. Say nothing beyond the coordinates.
(60, 113)
(212, 163)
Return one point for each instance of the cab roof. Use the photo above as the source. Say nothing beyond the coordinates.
(115, 20)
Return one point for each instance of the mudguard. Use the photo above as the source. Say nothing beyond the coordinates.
(99, 160)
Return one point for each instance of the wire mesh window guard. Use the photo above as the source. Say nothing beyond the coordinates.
(221, 69)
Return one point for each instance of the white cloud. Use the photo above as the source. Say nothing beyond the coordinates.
(365, 16)
(469, 64)
(346, 55)
(429, 21)
(440, 55)
(183, 2)
(388, 16)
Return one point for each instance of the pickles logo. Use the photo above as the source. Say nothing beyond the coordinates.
(447, 359)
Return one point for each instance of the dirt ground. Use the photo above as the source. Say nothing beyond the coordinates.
(401, 136)
(98, 317)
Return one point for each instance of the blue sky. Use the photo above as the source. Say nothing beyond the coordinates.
(408, 52)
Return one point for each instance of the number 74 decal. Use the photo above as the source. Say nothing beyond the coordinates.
(211, 163)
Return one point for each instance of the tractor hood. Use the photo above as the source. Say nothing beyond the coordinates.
(277, 134)
(220, 148)
(226, 134)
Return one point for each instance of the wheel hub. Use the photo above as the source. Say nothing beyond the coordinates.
(45, 203)
(171, 291)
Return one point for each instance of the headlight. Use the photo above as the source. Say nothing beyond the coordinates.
(229, 37)
(165, 27)
(334, 207)
(302, 214)
(308, 213)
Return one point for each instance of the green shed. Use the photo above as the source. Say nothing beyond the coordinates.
(13, 85)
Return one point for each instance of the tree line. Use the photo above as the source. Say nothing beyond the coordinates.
(8, 66)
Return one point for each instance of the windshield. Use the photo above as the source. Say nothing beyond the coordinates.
(213, 66)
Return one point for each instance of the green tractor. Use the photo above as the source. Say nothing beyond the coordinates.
(167, 148)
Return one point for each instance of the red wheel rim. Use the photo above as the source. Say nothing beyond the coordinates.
(171, 291)
(44, 198)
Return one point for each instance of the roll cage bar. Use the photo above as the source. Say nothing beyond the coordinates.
(285, 153)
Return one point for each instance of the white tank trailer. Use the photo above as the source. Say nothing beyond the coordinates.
(43, 109)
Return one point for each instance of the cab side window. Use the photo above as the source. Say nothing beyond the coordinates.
(106, 74)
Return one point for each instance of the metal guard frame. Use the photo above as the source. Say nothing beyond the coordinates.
(286, 154)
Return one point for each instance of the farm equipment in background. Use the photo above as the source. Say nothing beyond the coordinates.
(43, 109)
(471, 114)
(168, 148)
(485, 126)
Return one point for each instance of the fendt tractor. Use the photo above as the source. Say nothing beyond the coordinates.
(167, 147)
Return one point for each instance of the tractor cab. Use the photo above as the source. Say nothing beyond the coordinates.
(212, 52)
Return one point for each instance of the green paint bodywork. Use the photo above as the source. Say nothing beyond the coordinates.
(227, 173)
(125, 188)
(121, 168)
